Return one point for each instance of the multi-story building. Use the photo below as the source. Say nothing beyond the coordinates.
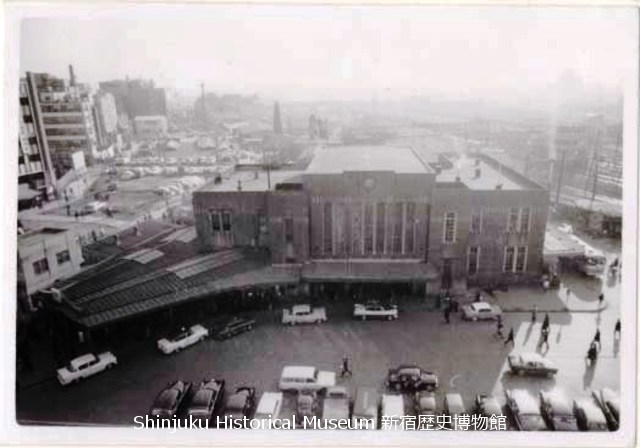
(63, 115)
(137, 97)
(45, 256)
(150, 128)
(381, 214)
(106, 118)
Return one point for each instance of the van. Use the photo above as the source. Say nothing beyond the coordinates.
(392, 411)
(365, 408)
(269, 406)
(299, 378)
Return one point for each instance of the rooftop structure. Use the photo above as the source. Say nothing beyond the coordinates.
(336, 160)
(253, 181)
(477, 174)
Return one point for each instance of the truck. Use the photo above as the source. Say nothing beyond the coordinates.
(304, 314)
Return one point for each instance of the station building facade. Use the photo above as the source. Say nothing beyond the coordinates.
(384, 215)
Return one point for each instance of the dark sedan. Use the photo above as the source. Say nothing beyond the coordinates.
(241, 403)
(168, 401)
(411, 378)
(234, 327)
(206, 399)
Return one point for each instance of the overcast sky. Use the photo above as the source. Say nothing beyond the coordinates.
(336, 51)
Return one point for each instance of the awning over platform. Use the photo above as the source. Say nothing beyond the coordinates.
(369, 271)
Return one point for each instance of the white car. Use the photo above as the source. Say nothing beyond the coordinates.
(480, 311)
(304, 314)
(375, 310)
(183, 339)
(336, 404)
(85, 366)
(297, 378)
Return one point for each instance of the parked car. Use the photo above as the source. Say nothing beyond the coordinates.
(424, 403)
(454, 407)
(85, 366)
(169, 401)
(269, 406)
(609, 402)
(183, 339)
(487, 405)
(375, 310)
(304, 314)
(525, 410)
(235, 326)
(392, 407)
(336, 403)
(557, 412)
(365, 408)
(480, 311)
(307, 403)
(93, 207)
(411, 378)
(206, 399)
(241, 403)
(589, 416)
(306, 378)
(531, 364)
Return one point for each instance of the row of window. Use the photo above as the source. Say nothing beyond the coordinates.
(42, 266)
(220, 221)
(514, 260)
(519, 221)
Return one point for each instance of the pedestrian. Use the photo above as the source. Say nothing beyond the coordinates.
(345, 367)
(75, 214)
(510, 338)
(447, 314)
(500, 326)
(545, 323)
(596, 338)
(545, 339)
(600, 299)
(616, 332)
(534, 314)
(478, 297)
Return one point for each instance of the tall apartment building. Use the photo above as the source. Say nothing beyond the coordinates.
(106, 118)
(63, 116)
(137, 97)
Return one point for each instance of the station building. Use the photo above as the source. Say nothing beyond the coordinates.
(384, 216)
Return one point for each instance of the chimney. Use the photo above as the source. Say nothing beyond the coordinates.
(72, 76)
(477, 173)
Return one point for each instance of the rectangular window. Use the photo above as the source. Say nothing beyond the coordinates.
(476, 222)
(328, 228)
(397, 228)
(41, 266)
(449, 235)
(521, 259)
(288, 230)
(525, 217)
(368, 229)
(507, 266)
(381, 223)
(474, 260)
(226, 221)
(513, 220)
(215, 221)
(63, 257)
(410, 220)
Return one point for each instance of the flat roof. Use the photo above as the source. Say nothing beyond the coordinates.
(338, 159)
(249, 182)
(465, 169)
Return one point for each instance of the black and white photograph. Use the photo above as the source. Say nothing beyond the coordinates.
(259, 224)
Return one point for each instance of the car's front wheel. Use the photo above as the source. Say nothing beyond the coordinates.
(520, 372)
(474, 318)
(389, 317)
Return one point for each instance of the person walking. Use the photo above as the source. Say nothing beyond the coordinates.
(616, 331)
(510, 338)
(534, 314)
(447, 314)
(600, 299)
(545, 339)
(500, 326)
(346, 368)
(545, 323)
(596, 339)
